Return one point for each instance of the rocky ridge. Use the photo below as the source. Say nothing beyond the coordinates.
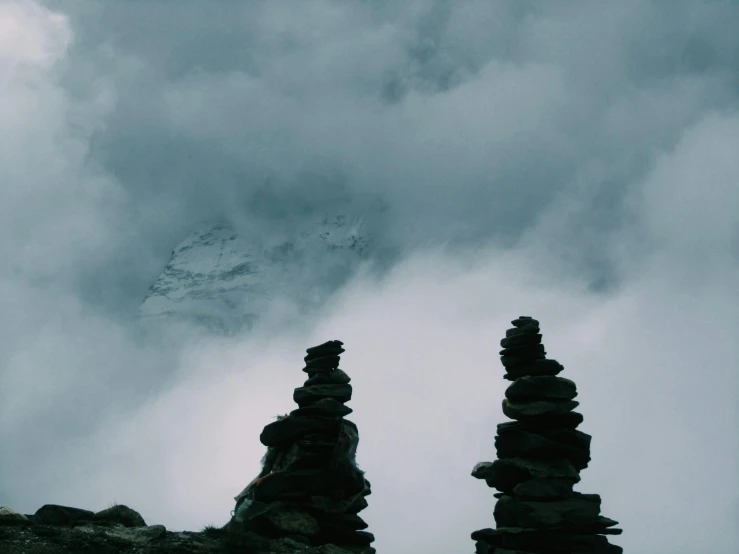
(221, 281)
(540, 456)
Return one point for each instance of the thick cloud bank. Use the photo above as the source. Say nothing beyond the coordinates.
(573, 161)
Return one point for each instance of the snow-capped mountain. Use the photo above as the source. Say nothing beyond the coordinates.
(223, 281)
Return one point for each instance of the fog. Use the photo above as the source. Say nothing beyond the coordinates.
(571, 161)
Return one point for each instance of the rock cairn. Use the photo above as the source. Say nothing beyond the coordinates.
(310, 488)
(540, 455)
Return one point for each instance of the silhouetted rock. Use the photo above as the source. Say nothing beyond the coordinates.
(53, 514)
(539, 458)
(310, 488)
(120, 514)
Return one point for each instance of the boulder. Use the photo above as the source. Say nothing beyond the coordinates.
(120, 514)
(54, 514)
(11, 517)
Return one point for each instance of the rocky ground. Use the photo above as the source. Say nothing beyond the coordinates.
(61, 529)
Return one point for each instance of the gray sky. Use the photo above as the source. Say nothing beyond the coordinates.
(574, 161)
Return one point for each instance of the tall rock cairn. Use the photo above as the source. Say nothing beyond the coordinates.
(540, 455)
(310, 488)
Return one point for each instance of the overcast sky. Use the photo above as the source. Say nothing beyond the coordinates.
(576, 161)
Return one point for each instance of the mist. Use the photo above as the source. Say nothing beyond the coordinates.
(575, 162)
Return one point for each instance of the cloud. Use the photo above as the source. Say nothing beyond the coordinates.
(571, 161)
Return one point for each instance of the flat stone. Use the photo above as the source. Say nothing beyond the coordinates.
(523, 410)
(345, 504)
(533, 387)
(536, 367)
(326, 407)
(525, 350)
(521, 339)
(482, 470)
(337, 376)
(506, 473)
(522, 320)
(330, 348)
(291, 428)
(569, 420)
(341, 536)
(307, 395)
(535, 540)
(528, 328)
(521, 358)
(53, 514)
(122, 514)
(347, 521)
(527, 444)
(324, 363)
(568, 513)
(544, 488)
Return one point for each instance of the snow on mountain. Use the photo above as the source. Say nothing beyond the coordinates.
(221, 281)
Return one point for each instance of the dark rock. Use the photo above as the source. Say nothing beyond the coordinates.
(53, 514)
(482, 470)
(523, 410)
(291, 428)
(513, 358)
(522, 320)
(280, 519)
(314, 443)
(120, 514)
(506, 473)
(521, 339)
(571, 437)
(537, 367)
(304, 396)
(542, 487)
(552, 542)
(347, 521)
(525, 350)
(526, 444)
(330, 348)
(11, 517)
(569, 420)
(568, 513)
(528, 329)
(541, 387)
(323, 364)
(326, 407)
(337, 376)
(341, 536)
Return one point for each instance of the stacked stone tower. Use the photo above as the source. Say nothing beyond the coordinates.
(310, 488)
(540, 455)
